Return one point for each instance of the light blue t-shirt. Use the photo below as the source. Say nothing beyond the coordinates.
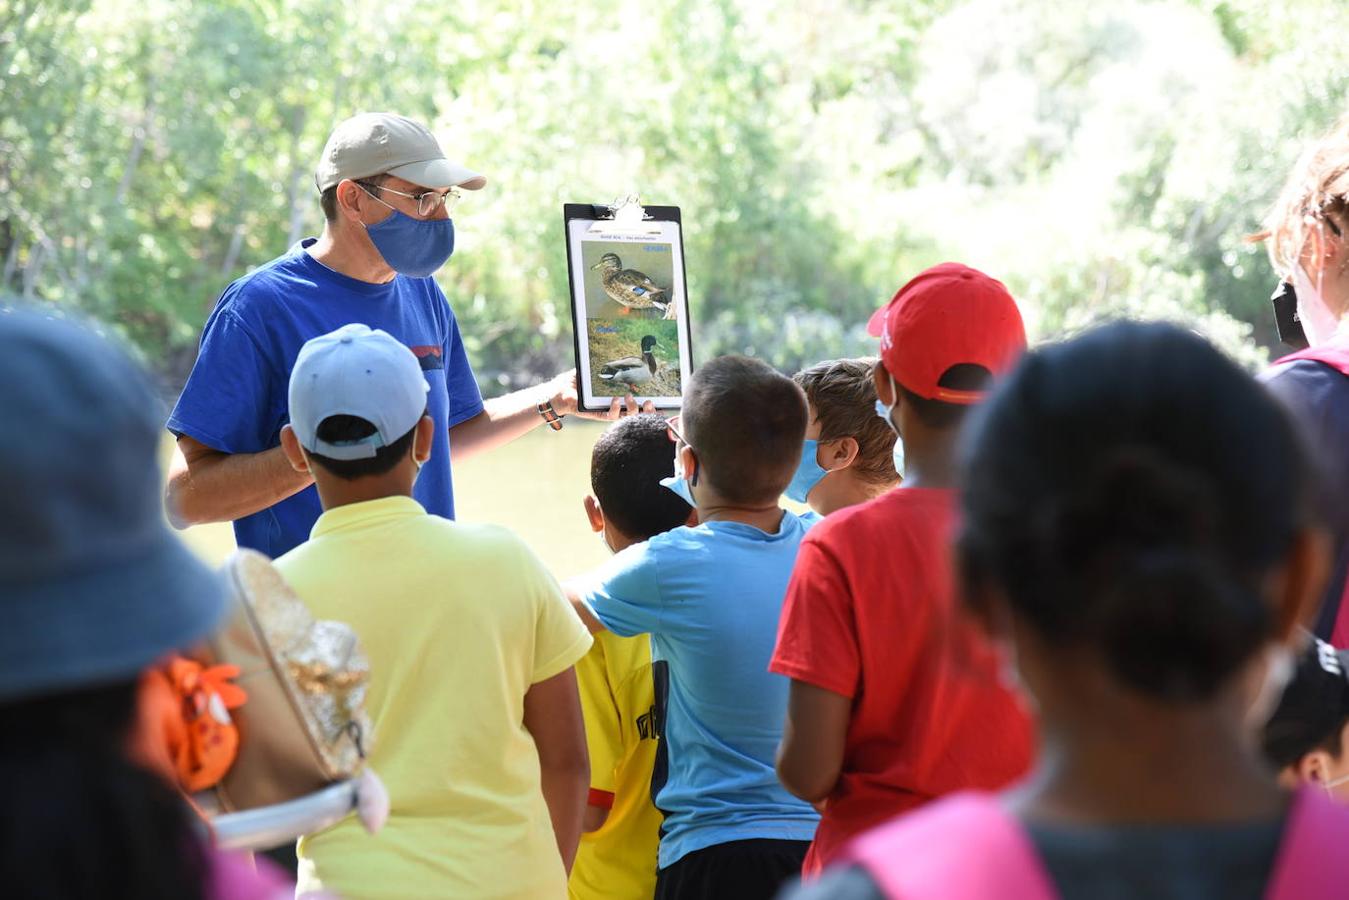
(236, 399)
(710, 597)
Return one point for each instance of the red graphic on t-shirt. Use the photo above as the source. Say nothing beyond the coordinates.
(429, 356)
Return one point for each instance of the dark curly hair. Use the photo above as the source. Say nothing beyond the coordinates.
(1127, 491)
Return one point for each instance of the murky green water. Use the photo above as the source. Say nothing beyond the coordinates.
(533, 486)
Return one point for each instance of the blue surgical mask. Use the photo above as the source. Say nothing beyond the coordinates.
(413, 247)
(679, 484)
(898, 455)
(808, 473)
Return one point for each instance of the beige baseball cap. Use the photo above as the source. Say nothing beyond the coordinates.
(387, 143)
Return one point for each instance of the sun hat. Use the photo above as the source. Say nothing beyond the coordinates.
(356, 371)
(93, 585)
(1314, 706)
(948, 315)
(384, 143)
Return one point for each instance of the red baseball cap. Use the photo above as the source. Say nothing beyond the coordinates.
(947, 316)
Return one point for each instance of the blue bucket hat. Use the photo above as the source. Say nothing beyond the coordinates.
(93, 585)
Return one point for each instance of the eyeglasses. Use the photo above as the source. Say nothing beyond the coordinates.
(673, 423)
(427, 201)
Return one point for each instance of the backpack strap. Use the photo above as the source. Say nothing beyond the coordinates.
(964, 847)
(1312, 863)
(1334, 354)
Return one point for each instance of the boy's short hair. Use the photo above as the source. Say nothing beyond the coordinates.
(843, 394)
(341, 429)
(1314, 708)
(626, 467)
(746, 422)
(939, 413)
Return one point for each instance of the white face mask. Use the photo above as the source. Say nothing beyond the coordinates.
(1329, 786)
(887, 413)
(1280, 666)
(1318, 322)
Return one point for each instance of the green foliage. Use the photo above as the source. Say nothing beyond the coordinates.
(1103, 159)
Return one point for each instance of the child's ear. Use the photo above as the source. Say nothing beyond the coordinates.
(423, 439)
(594, 514)
(842, 454)
(880, 377)
(1297, 585)
(688, 463)
(1312, 768)
(290, 445)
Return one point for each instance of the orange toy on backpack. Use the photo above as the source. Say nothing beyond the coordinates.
(189, 734)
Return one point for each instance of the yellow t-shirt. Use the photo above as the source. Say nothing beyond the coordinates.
(457, 621)
(618, 698)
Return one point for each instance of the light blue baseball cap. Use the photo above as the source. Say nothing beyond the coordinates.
(356, 371)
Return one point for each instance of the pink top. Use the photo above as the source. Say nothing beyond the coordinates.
(233, 877)
(967, 847)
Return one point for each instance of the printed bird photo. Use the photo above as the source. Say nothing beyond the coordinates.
(631, 280)
(634, 356)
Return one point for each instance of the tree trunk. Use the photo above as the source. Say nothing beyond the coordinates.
(235, 248)
(298, 168)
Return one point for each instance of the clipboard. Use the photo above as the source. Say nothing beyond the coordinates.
(629, 302)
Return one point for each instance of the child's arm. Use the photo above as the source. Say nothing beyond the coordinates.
(604, 732)
(810, 756)
(553, 717)
(622, 596)
(595, 817)
(818, 650)
(583, 610)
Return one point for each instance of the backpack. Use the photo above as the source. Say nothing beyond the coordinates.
(304, 724)
(967, 847)
(1336, 356)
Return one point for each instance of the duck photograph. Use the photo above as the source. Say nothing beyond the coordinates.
(633, 356)
(632, 280)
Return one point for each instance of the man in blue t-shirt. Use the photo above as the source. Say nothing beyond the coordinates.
(710, 596)
(386, 190)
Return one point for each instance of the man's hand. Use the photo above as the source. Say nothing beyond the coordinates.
(567, 402)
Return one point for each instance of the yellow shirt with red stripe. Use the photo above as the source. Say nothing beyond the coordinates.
(618, 698)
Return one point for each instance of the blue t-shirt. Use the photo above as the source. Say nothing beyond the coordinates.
(710, 597)
(235, 399)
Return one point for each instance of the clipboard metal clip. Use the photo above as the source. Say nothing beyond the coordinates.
(625, 215)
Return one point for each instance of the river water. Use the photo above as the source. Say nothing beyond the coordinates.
(533, 486)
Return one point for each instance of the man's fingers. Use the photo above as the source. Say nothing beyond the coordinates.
(649, 406)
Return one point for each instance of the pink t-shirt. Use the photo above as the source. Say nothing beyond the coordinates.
(231, 876)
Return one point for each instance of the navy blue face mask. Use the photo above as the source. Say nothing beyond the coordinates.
(413, 247)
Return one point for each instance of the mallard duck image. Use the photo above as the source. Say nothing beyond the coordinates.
(632, 369)
(628, 287)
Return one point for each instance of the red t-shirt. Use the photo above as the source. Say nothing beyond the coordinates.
(870, 615)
